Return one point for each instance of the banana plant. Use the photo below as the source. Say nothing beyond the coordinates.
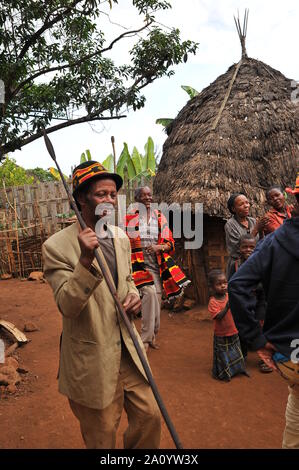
(134, 165)
(85, 157)
(108, 163)
(56, 174)
(123, 161)
(191, 91)
(137, 165)
(165, 122)
(149, 157)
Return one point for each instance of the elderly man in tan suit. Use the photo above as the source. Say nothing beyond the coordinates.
(100, 371)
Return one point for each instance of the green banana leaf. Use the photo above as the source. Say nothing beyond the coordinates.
(143, 162)
(164, 121)
(108, 163)
(191, 91)
(150, 161)
(56, 174)
(137, 161)
(85, 157)
(130, 168)
(145, 173)
(122, 161)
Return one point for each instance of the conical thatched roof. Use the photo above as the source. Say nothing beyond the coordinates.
(254, 145)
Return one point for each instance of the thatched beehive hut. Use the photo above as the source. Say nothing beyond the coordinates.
(241, 133)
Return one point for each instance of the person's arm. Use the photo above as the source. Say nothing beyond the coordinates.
(259, 227)
(232, 238)
(72, 285)
(254, 231)
(242, 297)
(222, 312)
(215, 309)
(260, 301)
(167, 242)
(270, 223)
(163, 247)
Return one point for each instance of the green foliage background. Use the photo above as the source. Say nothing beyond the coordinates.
(12, 174)
(55, 64)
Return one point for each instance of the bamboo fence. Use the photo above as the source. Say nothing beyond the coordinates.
(29, 214)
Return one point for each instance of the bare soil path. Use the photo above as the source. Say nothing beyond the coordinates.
(245, 413)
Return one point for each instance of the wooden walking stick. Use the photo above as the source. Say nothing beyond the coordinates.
(108, 278)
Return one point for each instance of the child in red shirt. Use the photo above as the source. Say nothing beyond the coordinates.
(228, 359)
(279, 212)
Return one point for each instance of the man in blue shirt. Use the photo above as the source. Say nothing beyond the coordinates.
(275, 263)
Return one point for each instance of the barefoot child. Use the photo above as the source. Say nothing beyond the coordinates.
(228, 359)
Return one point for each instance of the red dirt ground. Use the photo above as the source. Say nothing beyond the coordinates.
(245, 413)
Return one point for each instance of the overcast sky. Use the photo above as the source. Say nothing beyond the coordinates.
(273, 37)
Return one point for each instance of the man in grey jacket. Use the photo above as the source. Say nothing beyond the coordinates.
(100, 371)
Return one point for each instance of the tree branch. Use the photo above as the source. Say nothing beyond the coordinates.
(78, 62)
(121, 36)
(10, 147)
(46, 25)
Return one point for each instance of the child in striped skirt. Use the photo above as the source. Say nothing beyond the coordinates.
(228, 359)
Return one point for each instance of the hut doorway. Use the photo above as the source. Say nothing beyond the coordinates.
(197, 263)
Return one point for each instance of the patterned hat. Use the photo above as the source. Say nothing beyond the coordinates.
(92, 170)
(296, 189)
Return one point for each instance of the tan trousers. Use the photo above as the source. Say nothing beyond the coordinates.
(150, 308)
(291, 432)
(133, 393)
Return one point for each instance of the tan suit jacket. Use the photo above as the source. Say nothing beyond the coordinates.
(92, 327)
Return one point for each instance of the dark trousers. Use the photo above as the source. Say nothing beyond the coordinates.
(244, 347)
